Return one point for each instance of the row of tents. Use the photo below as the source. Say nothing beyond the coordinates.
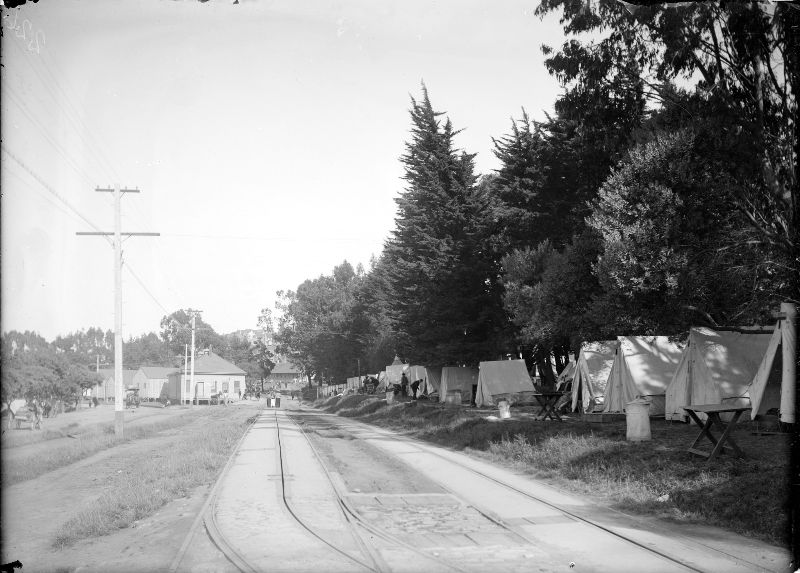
(739, 367)
(485, 385)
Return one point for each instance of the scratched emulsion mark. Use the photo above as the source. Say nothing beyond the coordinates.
(34, 40)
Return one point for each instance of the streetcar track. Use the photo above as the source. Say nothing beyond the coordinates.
(352, 513)
(307, 527)
(207, 517)
(355, 523)
(573, 515)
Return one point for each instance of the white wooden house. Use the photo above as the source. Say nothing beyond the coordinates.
(106, 390)
(150, 380)
(212, 375)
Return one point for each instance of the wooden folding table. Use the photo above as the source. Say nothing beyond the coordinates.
(725, 441)
(547, 405)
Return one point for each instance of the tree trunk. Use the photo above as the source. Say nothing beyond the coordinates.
(545, 367)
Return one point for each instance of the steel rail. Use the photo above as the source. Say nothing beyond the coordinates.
(210, 524)
(287, 503)
(571, 514)
(352, 513)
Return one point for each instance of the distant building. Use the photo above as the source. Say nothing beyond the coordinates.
(150, 380)
(106, 390)
(284, 376)
(212, 375)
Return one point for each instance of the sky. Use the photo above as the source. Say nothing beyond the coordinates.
(264, 138)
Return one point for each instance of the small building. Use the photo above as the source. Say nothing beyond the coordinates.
(213, 375)
(106, 390)
(150, 380)
(284, 376)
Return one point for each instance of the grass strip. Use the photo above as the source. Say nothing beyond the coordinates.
(658, 478)
(84, 446)
(195, 459)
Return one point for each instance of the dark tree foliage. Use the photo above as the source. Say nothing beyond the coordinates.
(40, 370)
(321, 329)
(663, 215)
(746, 55)
(549, 292)
(176, 330)
(444, 294)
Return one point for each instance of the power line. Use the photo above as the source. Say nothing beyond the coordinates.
(49, 188)
(73, 116)
(57, 147)
(127, 267)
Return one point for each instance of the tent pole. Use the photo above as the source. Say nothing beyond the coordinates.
(789, 345)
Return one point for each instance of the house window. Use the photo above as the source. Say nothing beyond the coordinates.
(236, 385)
(214, 387)
(224, 386)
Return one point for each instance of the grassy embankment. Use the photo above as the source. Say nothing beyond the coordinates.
(195, 458)
(657, 478)
(88, 442)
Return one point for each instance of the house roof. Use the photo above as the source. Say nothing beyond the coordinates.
(212, 364)
(285, 368)
(157, 372)
(127, 375)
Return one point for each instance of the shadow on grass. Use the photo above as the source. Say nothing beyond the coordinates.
(657, 477)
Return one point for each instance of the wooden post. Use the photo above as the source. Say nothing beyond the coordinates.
(789, 373)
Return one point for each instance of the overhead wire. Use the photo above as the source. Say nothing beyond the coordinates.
(49, 188)
(69, 112)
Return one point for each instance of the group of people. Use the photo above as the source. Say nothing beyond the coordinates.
(403, 388)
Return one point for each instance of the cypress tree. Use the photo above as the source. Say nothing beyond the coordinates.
(445, 297)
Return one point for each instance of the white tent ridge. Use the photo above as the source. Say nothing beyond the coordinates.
(643, 366)
(498, 379)
(717, 366)
(592, 369)
(775, 381)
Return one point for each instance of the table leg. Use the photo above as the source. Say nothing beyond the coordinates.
(541, 406)
(551, 409)
(726, 435)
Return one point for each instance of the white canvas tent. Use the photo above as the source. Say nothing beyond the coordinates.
(354, 382)
(716, 367)
(430, 379)
(566, 376)
(591, 374)
(381, 376)
(643, 366)
(458, 378)
(775, 381)
(433, 381)
(502, 378)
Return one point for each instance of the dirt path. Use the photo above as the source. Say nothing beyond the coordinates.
(34, 510)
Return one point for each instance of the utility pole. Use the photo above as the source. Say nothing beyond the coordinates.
(182, 390)
(119, 386)
(194, 314)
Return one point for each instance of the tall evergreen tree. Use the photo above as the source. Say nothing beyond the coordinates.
(443, 279)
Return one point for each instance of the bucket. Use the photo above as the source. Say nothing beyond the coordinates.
(453, 398)
(505, 409)
(637, 418)
(389, 396)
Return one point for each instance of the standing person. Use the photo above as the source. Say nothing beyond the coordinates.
(37, 414)
(404, 385)
(240, 393)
